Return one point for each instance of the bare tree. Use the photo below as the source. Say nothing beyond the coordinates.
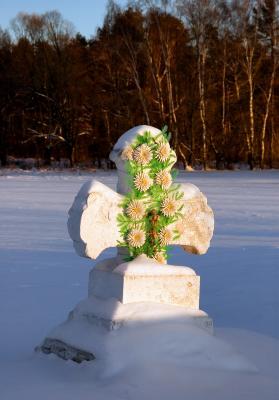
(269, 35)
(198, 15)
(132, 35)
(210, 73)
(29, 26)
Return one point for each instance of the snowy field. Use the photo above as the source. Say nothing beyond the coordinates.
(42, 279)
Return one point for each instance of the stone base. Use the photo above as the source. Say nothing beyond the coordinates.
(86, 333)
(143, 280)
(65, 351)
(132, 294)
(111, 314)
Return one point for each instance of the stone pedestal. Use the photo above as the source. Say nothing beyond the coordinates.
(85, 335)
(144, 280)
(120, 294)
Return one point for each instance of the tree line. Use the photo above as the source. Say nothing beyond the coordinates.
(208, 69)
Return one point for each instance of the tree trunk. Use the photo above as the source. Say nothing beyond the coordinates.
(70, 154)
(180, 152)
(47, 156)
(156, 79)
(3, 157)
(201, 67)
(166, 51)
(224, 94)
(133, 63)
(252, 127)
(173, 119)
(263, 133)
(3, 149)
(192, 143)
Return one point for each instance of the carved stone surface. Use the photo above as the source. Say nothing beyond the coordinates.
(92, 219)
(197, 224)
(144, 280)
(93, 227)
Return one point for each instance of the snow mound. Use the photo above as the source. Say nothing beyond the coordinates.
(172, 343)
(147, 333)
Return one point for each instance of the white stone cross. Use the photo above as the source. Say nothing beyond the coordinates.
(92, 220)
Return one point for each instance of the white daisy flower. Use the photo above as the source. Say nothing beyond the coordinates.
(142, 181)
(163, 151)
(164, 179)
(136, 210)
(169, 206)
(142, 154)
(127, 153)
(136, 238)
(165, 236)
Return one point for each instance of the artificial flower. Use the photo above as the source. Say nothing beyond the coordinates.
(169, 206)
(164, 179)
(136, 238)
(165, 236)
(142, 181)
(159, 257)
(163, 151)
(127, 153)
(142, 154)
(135, 210)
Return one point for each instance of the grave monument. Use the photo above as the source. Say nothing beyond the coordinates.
(124, 289)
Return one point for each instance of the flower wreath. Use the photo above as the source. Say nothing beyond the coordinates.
(154, 202)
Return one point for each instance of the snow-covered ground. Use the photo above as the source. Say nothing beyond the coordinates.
(42, 279)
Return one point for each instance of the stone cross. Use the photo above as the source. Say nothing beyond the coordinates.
(92, 220)
(135, 291)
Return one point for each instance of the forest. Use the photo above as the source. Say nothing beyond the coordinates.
(208, 69)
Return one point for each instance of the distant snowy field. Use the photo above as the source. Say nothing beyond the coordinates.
(41, 280)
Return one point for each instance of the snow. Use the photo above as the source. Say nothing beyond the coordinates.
(128, 137)
(42, 279)
(143, 265)
(137, 312)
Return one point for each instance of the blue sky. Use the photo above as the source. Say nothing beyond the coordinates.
(86, 15)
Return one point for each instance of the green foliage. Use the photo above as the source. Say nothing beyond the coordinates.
(142, 229)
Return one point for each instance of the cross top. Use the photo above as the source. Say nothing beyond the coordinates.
(116, 154)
